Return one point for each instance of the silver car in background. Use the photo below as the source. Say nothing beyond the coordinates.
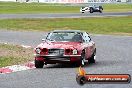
(91, 9)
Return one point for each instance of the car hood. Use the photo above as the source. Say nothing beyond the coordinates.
(63, 45)
(84, 8)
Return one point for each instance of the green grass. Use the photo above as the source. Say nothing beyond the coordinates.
(105, 25)
(7, 61)
(10, 7)
(36, 8)
(117, 7)
(12, 55)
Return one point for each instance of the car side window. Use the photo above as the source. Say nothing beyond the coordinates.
(86, 37)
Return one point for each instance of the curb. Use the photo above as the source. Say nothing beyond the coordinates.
(15, 68)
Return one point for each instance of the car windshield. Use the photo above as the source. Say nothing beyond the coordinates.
(65, 36)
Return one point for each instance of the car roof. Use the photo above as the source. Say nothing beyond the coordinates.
(66, 31)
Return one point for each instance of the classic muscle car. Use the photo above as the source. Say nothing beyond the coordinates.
(65, 46)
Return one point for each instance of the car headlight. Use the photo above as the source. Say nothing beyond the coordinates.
(38, 50)
(74, 51)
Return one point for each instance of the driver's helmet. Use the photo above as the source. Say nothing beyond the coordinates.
(77, 38)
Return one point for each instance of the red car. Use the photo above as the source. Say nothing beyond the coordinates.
(65, 46)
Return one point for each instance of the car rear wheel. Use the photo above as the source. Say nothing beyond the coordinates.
(39, 64)
(93, 57)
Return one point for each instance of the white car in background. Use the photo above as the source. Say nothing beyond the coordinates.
(91, 9)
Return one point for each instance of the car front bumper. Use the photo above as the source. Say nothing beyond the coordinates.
(84, 11)
(59, 58)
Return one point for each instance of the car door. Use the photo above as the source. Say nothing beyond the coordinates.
(89, 45)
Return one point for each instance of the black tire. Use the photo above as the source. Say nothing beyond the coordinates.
(82, 12)
(91, 10)
(39, 64)
(92, 58)
(81, 61)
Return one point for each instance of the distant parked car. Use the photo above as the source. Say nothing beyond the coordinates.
(65, 46)
(91, 9)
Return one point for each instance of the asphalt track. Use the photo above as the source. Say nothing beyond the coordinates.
(64, 15)
(113, 56)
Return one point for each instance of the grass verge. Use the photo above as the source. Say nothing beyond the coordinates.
(14, 7)
(12, 55)
(117, 7)
(105, 25)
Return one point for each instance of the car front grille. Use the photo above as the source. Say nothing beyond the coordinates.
(57, 52)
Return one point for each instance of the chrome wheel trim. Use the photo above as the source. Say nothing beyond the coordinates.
(82, 62)
(94, 57)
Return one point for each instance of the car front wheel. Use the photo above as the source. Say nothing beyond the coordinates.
(39, 64)
(81, 62)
